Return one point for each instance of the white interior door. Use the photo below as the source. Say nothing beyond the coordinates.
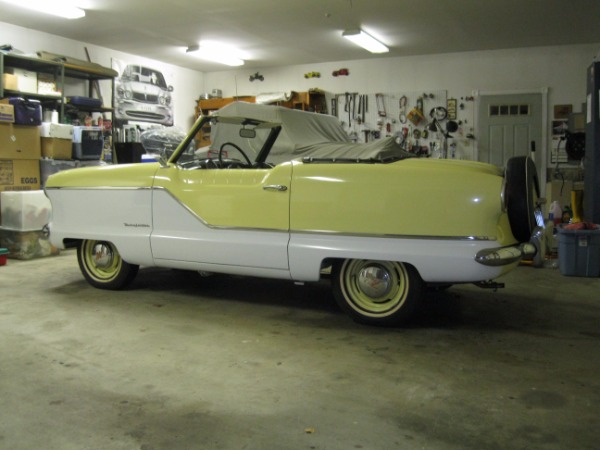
(509, 125)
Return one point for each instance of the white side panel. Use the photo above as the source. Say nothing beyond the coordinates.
(121, 216)
(436, 260)
(181, 236)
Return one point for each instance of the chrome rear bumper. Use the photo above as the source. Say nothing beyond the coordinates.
(502, 256)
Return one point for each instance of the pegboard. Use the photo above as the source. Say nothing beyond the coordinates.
(370, 117)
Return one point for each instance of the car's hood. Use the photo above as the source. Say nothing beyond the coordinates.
(114, 176)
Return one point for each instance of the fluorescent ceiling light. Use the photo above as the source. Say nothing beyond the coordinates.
(60, 8)
(216, 52)
(359, 37)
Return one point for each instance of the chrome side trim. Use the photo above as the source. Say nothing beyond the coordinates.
(398, 236)
(93, 188)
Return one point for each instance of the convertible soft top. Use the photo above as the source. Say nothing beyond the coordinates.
(303, 134)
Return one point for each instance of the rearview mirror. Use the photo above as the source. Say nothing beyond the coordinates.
(247, 133)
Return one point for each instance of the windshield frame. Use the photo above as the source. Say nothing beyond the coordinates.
(275, 129)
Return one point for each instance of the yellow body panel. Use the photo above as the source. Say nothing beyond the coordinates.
(414, 197)
(118, 176)
(234, 197)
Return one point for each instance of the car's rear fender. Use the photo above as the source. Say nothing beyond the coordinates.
(436, 259)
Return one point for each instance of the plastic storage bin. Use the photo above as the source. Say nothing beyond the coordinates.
(88, 142)
(579, 252)
(24, 211)
(3, 256)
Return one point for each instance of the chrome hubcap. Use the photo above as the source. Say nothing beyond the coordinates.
(374, 281)
(103, 256)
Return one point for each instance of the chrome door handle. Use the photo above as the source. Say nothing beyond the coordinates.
(275, 187)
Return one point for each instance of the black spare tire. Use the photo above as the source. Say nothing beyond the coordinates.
(521, 194)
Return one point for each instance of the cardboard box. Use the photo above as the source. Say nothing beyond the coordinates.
(7, 113)
(25, 211)
(46, 85)
(26, 79)
(27, 244)
(10, 82)
(57, 148)
(19, 142)
(56, 130)
(19, 174)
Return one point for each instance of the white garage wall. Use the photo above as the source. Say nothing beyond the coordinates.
(187, 83)
(561, 69)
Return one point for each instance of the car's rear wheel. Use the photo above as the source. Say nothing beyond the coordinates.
(522, 193)
(102, 265)
(376, 292)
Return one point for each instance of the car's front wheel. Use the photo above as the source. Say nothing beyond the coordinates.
(102, 265)
(376, 292)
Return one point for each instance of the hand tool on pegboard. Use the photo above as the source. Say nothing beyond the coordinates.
(402, 109)
(334, 106)
(359, 119)
(347, 107)
(380, 105)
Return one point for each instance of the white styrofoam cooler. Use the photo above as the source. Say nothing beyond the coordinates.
(56, 130)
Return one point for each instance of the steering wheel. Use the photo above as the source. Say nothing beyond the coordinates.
(238, 149)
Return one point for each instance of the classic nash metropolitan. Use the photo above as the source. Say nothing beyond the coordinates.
(284, 194)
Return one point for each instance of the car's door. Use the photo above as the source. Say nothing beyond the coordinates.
(231, 217)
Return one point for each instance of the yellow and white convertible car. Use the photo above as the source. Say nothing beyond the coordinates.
(284, 194)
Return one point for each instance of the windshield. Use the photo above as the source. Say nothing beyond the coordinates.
(233, 143)
(144, 75)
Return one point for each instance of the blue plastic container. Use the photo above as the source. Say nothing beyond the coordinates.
(579, 252)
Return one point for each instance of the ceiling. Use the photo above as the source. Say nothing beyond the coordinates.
(289, 32)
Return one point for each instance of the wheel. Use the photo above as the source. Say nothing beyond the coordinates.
(238, 149)
(376, 292)
(521, 193)
(103, 267)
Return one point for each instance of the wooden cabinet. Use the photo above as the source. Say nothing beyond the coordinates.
(313, 101)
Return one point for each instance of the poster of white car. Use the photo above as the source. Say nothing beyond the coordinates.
(142, 94)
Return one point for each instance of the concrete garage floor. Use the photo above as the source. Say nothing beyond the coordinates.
(261, 364)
